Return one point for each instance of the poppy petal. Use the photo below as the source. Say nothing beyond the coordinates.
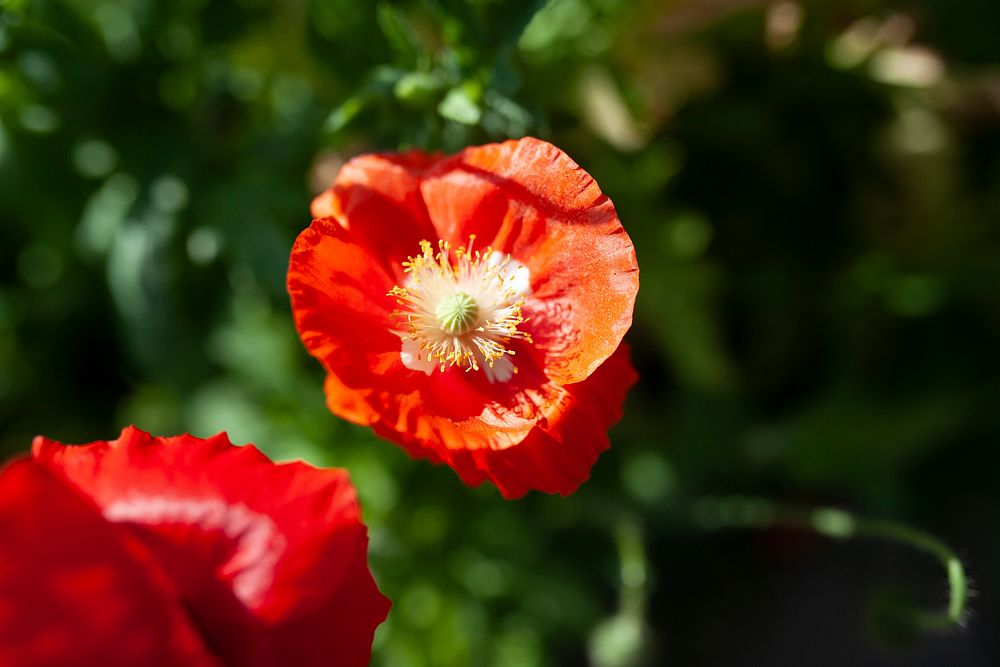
(555, 457)
(377, 197)
(263, 553)
(75, 589)
(340, 303)
(528, 198)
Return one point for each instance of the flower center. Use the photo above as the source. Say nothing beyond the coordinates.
(457, 313)
(461, 308)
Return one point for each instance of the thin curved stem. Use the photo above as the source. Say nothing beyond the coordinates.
(743, 512)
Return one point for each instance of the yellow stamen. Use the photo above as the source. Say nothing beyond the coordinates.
(460, 307)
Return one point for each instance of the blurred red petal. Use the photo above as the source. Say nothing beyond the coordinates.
(263, 553)
(75, 589)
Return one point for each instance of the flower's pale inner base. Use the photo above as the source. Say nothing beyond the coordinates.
(461, 308)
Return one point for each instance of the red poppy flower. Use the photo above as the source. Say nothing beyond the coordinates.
(471, 309)
(180, 551)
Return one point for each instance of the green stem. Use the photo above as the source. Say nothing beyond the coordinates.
(741, 512)
(633, 568)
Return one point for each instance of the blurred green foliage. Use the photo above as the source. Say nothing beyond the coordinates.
(813, 189)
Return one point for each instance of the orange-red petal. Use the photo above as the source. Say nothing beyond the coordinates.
(340, 303)
(528, 198)
(557, 455)
(377, 196)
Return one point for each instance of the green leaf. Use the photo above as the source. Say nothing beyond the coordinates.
(342, 116)
(418, 89)
(460, 106)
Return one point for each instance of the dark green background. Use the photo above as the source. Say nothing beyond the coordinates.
(813, 190)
